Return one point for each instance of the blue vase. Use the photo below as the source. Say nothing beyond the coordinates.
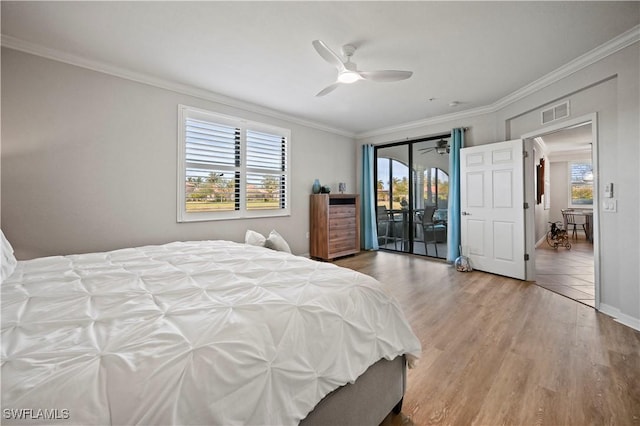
(316, 187)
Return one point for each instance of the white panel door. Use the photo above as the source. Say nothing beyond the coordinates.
(492, 207)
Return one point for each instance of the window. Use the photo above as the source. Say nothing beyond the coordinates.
(436, 188)
(393, 183)
(230, 168)
(580, 183)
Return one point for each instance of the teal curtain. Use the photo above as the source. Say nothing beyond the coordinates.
(368, 225)
(453, 231)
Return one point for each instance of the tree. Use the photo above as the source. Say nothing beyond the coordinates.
(214, 177)
(271, 185)
(400, 188)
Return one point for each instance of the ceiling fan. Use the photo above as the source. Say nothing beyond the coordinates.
(348, 71)
(442, 147)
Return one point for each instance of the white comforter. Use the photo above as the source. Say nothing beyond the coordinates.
(208, 332)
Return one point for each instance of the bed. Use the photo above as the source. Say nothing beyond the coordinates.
(199, 332)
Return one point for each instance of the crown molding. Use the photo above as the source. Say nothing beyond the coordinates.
(472, 112)
(612, 46)
(106, 68)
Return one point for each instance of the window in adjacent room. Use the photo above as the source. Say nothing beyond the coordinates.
(580, 184)
(230, 168)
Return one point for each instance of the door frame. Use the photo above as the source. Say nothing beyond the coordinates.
(528, 178)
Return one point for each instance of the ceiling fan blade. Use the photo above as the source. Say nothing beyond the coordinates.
(328, 54)
(328, 89)
(385, 75)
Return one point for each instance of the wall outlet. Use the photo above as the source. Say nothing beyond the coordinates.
(610, 205)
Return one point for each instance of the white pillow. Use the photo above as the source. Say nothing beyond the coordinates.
(254, 238)
(7, 258)
(276, 242)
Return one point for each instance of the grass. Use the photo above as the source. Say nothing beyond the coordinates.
(207, 206)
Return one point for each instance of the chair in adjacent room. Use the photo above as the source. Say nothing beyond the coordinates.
(384, 225)
(571, 224)
(429, 229)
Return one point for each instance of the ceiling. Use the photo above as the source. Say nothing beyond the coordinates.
(260, 53)
(569, 140)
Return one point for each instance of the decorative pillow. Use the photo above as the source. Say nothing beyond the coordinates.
(7, 258)
(276, 242)
(254, 238)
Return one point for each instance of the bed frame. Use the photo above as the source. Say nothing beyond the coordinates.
(367, 401)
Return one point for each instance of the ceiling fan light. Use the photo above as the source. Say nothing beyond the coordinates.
(348, 77)
(442, 147)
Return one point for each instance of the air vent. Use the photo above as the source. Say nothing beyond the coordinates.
(555, 112)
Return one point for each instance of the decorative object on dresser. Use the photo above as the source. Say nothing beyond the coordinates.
(334, 225)
(315, 188)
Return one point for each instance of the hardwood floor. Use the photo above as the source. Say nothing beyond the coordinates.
(567, 272)
(501, 351)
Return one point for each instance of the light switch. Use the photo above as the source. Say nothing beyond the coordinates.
(608, 190)
(610, 205)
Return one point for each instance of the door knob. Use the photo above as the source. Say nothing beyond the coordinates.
(466, 214)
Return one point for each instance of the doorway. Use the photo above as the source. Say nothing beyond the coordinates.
(570, 182)
(412, 190)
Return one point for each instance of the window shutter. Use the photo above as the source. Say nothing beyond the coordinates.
(266, 157)
(212, 159)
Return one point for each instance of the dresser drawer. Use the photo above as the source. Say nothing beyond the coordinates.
(342, 223)
(341, 246)
(342, 236)
(336, 212)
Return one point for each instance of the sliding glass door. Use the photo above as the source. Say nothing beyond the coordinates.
(430, 165)
(412, 192)
(393, 199)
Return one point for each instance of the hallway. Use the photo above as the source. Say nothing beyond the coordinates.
(567, 272)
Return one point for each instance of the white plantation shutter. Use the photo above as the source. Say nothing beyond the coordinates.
(230, 168)
(266, 183)
(212, 166)
(210, 143)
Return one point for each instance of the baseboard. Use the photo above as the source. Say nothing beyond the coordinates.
(618, 316)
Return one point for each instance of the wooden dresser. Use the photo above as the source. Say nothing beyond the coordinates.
(334, 225)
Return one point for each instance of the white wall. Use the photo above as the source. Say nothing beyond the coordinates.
(610, 88)
(89, 163)
(559, 180)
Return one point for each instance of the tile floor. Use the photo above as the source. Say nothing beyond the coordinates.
(567, 272)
